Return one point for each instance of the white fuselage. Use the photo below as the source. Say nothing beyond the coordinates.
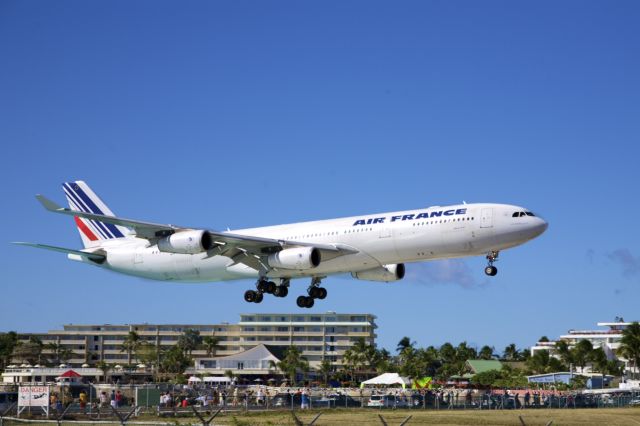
(378, 239)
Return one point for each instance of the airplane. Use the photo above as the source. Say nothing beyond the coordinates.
(372, 247)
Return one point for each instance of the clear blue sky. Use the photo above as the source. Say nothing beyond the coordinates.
(240, 114)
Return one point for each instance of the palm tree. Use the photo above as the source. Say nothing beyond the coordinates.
(581, 353)
(130, 344)
(325, 369)
(291, 362)
(189, 341)
(511, 353)
(8, 342)
(211, 345)
(404, 343)
(105, 369)
(630, 347)
(565, 353)
(486, 352)
(360, 357)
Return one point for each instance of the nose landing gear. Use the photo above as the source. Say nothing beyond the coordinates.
(491, 270)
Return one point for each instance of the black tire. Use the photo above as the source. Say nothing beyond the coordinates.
(309, 302)
(323, 293)
(281, 291)
(271, 287)
(250, 296)
(262, 286)
(314, 292)
(258, 298)
(491, 270)
(301, 301)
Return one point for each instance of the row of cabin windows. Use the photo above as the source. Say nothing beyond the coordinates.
(349, 231)
(520, 214)
(460, 219)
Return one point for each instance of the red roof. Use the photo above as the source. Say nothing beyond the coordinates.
(70, 373)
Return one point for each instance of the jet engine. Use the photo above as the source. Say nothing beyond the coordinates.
(386, 273)
(299, 258)
(186, 242)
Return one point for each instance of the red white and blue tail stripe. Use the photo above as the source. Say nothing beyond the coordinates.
(92, 232)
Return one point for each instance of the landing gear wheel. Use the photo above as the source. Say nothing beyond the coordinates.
(262, 286)
(315, 292)
(281, 291)
(271, 287)
(250, 296)
(258, 298)
(491, 270)
(323, 293)
(301, 301)
(304, 301)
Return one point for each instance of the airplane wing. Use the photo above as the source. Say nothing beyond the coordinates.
(249, 250)
(96, 257)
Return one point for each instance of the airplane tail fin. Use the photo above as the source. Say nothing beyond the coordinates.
(92, 232)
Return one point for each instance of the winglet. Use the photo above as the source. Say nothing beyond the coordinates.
(48, 204)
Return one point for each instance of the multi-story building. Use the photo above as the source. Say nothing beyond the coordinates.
(607, 339)
(318, 336)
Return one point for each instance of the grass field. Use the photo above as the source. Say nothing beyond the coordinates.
(615, 416)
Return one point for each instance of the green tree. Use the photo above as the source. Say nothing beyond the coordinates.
(189, 341)
(404, 343)
(361, 357)
(211, 345)
(175, 361)
(486, 378)
(542, 362)
(630, 347)
(581, 353)
(486, 352)
(130, 345)
(105, 368)
(564, 352)
(8, 343)
(511, 353)
(543, 339)
(325, 369)
(30, 351)
(60, 353)
(291, 363)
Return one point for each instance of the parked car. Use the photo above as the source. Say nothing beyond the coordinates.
(635, 402)
(387, 401)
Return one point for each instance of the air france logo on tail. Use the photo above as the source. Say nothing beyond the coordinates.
(412, 216)
(82, 198)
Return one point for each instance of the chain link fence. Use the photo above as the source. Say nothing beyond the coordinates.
(173, 402)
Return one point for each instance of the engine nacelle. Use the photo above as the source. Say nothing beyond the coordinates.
(386, 273)
(186, 242)
(299, 258)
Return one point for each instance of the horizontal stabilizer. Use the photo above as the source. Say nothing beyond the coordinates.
(96, 257)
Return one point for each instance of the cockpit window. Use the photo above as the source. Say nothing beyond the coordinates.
(515, 214)
(530, 214)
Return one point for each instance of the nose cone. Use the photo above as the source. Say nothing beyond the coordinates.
(538, 226)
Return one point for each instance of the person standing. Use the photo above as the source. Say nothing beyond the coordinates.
(304, 399)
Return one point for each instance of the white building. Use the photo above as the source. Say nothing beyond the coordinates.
(607, 339)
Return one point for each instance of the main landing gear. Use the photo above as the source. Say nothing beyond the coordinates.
(491, 257)
(265, 286)
(314, 291)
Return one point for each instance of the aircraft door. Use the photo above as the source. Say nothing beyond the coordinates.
(486, 218)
